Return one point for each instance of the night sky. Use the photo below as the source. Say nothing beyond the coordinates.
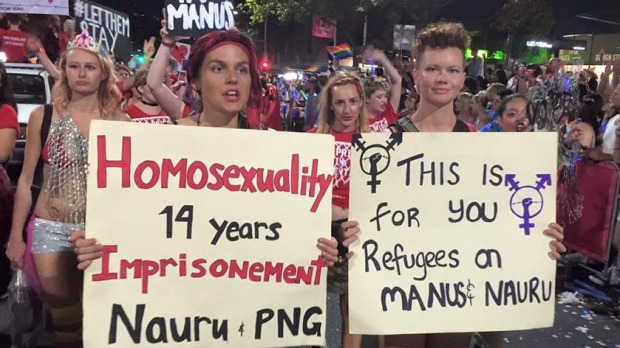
(145, 14)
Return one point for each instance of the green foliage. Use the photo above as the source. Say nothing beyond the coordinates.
(529, 17)
(292, 10)
(419, 12)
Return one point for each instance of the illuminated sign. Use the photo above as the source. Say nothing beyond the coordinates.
(540, 44)
(496, 55)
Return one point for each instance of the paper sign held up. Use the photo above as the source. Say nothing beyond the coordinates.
(196, 18)
(49, 7)
(108, 27)
(208, 241)
(452, 232)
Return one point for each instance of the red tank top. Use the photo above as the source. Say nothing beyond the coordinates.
(137, 115)
(342, 167)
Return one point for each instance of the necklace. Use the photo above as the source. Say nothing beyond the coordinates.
(147, 103)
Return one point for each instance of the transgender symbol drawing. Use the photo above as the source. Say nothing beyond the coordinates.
(375, 159)
(527, 201)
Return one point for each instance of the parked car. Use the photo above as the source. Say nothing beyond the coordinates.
(32, 87)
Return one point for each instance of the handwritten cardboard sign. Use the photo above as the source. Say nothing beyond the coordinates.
(452, 232)
(108, 27)
(196, 18)
(209, 236)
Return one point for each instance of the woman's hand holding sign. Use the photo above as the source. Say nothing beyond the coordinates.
(87, 250)
(556, 232)
(349, 231)
(167, 39)
(329, 250)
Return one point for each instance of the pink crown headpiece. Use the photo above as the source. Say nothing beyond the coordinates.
(85, 41)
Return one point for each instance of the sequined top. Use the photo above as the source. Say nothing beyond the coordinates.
(66, 184)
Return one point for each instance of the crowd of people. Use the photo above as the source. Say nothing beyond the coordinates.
(42, 221)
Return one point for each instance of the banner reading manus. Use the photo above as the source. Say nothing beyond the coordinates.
(209, 237)
(49, 7)
(196, 18)
(108, 27)
(452, 232)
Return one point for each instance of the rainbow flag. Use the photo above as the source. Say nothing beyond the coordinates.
(316, 68)
(341, 51)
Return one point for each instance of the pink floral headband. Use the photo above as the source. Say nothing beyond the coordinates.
(86, 42)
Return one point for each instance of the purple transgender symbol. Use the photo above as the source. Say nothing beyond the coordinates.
(527, 202)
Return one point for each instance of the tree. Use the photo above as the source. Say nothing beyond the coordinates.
(529, 17)
(348, 13)
(522, 19)
(420, 12)
(297, 10)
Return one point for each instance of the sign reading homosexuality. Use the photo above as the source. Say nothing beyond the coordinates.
(209, 236)
(452, 232)
(195, 18)
(108, 27)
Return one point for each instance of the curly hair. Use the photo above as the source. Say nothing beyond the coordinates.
(374, 83)
(326, 113)
(108, 94)
(441, 35)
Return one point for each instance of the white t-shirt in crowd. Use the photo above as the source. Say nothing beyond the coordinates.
(609, 137)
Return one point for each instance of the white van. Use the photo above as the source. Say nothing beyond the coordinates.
(32, 87)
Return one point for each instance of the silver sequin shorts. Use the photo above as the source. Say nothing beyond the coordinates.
(52, 237)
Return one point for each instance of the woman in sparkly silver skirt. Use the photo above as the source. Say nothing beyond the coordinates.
(84, 91)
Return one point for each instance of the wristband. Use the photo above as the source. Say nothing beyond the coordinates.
(41, 50)
(169, 44)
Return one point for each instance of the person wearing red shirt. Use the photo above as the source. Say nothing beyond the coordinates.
(147, 110)
(342, 113)
(124, 82)
(382, 100)
(9, 131)
(14, 41)
(68, 33)
(270, 115)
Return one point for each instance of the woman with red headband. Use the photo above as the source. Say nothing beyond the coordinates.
(85, 91)
(229, 75)
(223, 70)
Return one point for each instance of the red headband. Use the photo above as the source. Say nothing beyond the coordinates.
(224, 43)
